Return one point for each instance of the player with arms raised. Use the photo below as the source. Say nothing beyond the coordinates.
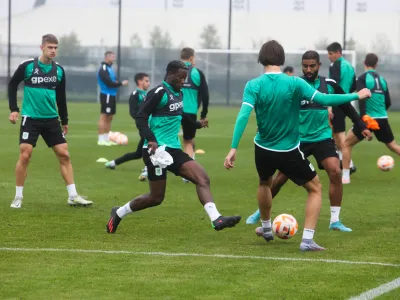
(164, 104)
(276, 99)
(44, 92)
(316, 138)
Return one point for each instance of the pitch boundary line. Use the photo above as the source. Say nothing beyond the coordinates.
(378, 291)
(227, 256)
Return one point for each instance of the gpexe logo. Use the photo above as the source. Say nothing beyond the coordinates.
(39, 80)
(175, 106)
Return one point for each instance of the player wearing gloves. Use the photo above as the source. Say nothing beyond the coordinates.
(164, 104)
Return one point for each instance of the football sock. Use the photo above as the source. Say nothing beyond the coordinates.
(100, 138)
(18, 191)
(72, 191)
(346, 174)
(340, 155)
(112, 163)
(124, 210)
(106, 137)
(308, 234)
(335, 211)
(212, 211)
(266, 224)
(351, 164)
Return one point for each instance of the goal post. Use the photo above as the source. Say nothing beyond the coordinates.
(243, 66)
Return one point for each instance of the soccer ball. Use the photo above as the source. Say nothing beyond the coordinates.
(113, 136)
(121, 139)
(285, 226)
(385, 163)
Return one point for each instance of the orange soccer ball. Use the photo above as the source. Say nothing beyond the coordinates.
(285, 226)
(385, 163)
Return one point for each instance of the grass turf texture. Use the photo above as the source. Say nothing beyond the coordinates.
(180, 225)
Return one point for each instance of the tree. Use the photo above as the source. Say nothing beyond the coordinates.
(71, 50)
(351, 44)
(382, 44)
(321, 43)
(209, 37)
(135, 41)
(258, 44)
(160, 40)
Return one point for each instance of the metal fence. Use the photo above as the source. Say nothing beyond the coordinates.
(81, 70)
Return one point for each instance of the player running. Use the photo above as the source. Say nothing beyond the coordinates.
(164, 104)
(44, 92)
(276, 98)
(343, 73)
(373, 111)
(136, 98)
(195, 92)
(316, 138)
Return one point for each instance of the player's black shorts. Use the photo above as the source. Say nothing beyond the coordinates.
(338, 121)
(156, 173)
(108, 104)
(384, 134)
(49, 129)
(189, 126)
(293, 164)
(320, 150)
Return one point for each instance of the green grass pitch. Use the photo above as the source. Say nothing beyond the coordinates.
(371, 207)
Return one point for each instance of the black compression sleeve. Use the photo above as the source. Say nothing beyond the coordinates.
(134, 104)
(13, 87)
(62, 101)
(147, 108)
(335, 71)
(361, 85)
(204, 95)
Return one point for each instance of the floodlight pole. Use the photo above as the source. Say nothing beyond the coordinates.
(9, 43)
(228, 72)
(119, 44)
(344, 24)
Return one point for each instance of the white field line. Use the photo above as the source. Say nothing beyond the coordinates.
(226, 256)
(380, 290)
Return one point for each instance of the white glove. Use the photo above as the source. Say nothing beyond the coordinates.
(161, 158)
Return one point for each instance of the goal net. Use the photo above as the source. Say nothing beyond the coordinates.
(226, 87)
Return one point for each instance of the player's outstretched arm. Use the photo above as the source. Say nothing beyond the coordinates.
(12, 92)
(308, 93)
(348, 109)
(61, 99)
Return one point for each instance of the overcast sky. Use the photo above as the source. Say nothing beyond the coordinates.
(310, 6)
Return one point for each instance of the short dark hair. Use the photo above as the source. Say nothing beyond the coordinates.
(288, 69)
(334, 47)
(271, 54)
(371, 60)
(187, 53)
(311, 54)
(175, 65)
(139, 76)
(49, 38)
(108, 52)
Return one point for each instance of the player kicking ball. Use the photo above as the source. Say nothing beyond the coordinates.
(164, 104)
(373, 111)
(276, 99)
(316, 138)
